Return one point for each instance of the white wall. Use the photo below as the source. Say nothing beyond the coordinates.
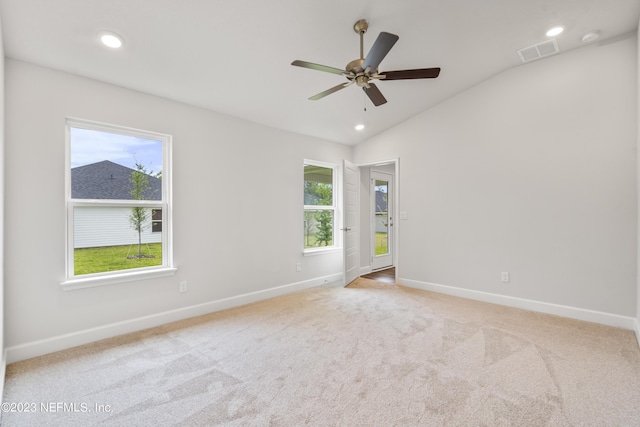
(638, 257)
(225, 169)
(532, 172)
(2, 224)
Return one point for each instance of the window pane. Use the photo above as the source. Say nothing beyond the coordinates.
(318, 228)
(114, 238)
(318, 186)
(112, 166)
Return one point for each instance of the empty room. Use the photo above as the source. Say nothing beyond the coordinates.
(319, 213)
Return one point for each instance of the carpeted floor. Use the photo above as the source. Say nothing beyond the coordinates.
(371, 354)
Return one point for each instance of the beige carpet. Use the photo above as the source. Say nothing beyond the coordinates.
(371, 354)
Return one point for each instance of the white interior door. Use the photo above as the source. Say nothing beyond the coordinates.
(351, 220)
(382, 220)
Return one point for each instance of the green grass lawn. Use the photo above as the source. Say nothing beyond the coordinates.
(113, 258)
(382, 243)
(310, 242)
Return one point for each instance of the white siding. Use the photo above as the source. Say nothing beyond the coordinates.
(108, 226)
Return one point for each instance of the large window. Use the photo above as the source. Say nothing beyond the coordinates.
(319, 206)
(118, 203)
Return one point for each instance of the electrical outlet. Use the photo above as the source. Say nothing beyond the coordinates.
(299, 266)
(183, 286)
(505, 277)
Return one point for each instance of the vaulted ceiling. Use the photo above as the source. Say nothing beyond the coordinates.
(234, 57)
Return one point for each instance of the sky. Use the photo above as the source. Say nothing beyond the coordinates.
(91, 146)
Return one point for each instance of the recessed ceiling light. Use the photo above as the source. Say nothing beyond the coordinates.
(591, 36)
(359, 127)
(554, 31)
(111, 40)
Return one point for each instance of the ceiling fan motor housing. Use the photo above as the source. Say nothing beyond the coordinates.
(355, 66)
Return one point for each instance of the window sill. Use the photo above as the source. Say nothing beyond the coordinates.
(121, 277)
(313, 252)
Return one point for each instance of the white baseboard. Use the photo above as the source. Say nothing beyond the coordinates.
(61, 342)
(637, 329)
(600, 317)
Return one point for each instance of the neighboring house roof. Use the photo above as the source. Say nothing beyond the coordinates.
(108, 180)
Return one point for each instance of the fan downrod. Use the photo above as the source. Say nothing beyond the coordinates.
(354, 71)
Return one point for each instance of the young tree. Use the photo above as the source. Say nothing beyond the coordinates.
(140, 189)
(324, 235)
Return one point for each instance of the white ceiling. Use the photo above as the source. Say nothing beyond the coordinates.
(234, 56)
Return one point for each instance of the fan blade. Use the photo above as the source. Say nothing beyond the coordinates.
(305, 64)
(374, 94)
(379, 50)
(420, 73)
(330, 91)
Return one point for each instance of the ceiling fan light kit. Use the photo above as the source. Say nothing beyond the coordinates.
(363, 70)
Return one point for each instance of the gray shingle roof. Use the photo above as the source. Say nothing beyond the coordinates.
(108, 180)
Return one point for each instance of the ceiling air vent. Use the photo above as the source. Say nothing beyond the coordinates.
(538, 51)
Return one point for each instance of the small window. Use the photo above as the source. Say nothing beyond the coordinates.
(117, 200)
(156, 220)
(319, 206)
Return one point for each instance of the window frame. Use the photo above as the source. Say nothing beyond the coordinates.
(333, 207)
(167, 268)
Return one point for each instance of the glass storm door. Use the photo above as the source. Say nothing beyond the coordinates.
(382, 221)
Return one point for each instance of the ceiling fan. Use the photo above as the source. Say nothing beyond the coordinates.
(361, 71)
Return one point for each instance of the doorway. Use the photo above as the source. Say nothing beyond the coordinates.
(358, 218)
